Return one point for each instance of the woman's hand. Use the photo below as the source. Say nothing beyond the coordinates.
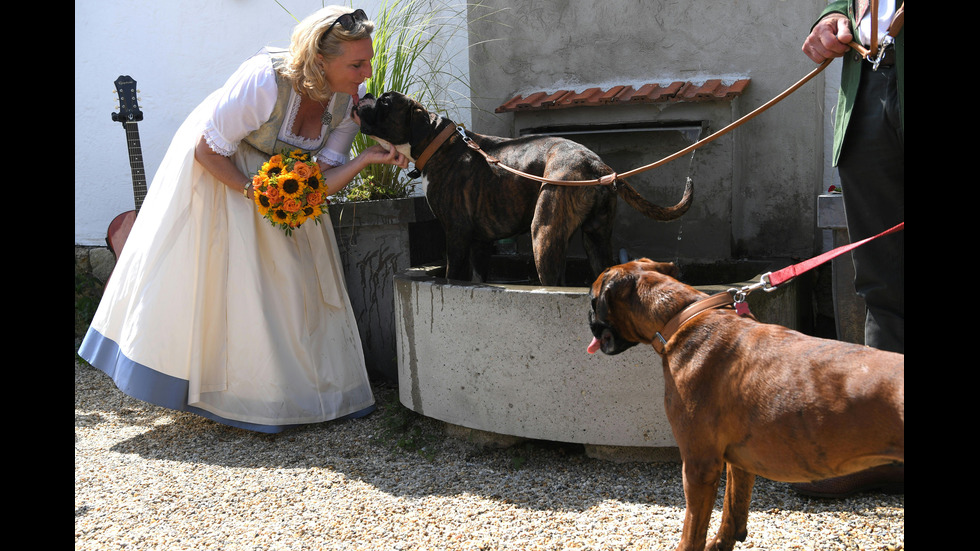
(337, 177)
(222, 168)
(379, 155)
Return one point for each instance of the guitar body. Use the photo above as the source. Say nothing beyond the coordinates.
(119, 230)
(129, 114)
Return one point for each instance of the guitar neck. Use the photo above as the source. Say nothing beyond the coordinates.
(136, 162)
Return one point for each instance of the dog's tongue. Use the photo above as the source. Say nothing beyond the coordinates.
(594, 345)
(353, 108)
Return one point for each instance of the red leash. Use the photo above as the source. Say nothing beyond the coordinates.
(737, 297)
(788, 273)
(771, 280)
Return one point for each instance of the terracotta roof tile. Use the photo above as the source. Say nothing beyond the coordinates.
(553, 99)
(678, 91)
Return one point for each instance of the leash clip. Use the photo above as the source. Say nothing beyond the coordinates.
(886, 43)
(470, 143)
(739, 296)
(763, 284)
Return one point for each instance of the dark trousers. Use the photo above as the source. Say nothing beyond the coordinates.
(872, 173)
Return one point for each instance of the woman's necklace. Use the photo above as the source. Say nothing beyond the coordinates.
(326, 117)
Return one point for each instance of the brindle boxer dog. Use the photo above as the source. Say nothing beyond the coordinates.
(762, 398)
(478, 204)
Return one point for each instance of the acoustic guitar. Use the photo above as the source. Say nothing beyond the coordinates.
(129, 115)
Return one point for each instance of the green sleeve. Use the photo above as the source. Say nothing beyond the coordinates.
(838, 6)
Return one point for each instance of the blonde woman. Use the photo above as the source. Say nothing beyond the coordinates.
(213, 310)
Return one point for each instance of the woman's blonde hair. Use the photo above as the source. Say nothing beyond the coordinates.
(308, 40)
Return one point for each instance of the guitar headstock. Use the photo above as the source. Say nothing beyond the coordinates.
(129, 110)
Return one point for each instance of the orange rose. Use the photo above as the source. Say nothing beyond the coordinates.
(314, 198)
(273, 194)
(291, 205)
(302, 170)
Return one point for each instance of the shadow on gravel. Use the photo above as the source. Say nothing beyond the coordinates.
(394, 448)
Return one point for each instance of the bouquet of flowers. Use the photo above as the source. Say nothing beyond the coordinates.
(289, 190)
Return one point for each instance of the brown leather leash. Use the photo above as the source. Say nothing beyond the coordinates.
(611, 179)
(874, 54)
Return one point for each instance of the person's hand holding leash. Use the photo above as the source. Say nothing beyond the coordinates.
(830, 38)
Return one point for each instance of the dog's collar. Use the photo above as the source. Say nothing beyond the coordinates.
(430, 149)
(717, 300)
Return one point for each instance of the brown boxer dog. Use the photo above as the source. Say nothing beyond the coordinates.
(477, 203)
(762, 398)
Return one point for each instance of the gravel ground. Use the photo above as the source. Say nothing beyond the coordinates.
(149, 478)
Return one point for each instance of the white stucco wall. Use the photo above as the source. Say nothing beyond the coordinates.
(178, 51)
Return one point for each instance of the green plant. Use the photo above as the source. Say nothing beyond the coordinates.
(88, 292)
(403, 430)
(412, 55)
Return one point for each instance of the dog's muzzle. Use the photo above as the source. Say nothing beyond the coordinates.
(605, 338)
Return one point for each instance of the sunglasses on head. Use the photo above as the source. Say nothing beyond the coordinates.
(348, 21)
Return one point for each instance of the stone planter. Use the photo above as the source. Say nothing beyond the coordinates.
(376, 240)
(849, 310)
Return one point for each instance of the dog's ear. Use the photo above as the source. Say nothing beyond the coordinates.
(666, 268)
(643, 291)
(420, 124)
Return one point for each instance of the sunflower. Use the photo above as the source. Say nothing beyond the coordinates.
(299, 218)
(262, 203)
(299, 155)
(312, 211)
(290, 185)
(273, 166)
(313, 182)
(279, 216)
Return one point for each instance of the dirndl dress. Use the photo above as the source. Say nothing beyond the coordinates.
(213, 310)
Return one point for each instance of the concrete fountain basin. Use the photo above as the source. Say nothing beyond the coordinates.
(510, 359)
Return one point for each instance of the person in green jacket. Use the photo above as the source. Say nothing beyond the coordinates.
(869, 153)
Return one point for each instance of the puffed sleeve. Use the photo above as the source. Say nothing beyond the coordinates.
(337, 149)
(244, 103)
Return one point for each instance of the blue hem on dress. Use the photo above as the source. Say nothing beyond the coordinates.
(148, 385)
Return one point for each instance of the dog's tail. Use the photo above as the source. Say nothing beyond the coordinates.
(663, 214)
